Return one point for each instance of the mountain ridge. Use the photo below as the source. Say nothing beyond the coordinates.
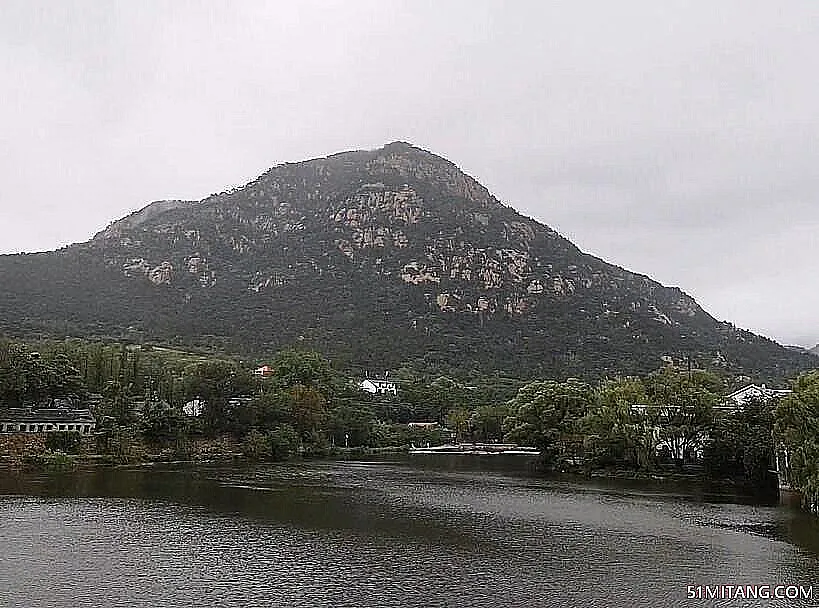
(391, 255)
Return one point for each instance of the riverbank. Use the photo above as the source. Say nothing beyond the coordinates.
(37, 450)
(32, 451)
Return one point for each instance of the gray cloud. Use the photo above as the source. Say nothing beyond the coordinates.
(676, 139)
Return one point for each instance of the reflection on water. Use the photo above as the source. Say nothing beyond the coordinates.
(468, 533)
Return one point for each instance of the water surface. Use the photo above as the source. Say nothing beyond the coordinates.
(404, 533)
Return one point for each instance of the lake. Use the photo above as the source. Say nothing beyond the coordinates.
(424, 531)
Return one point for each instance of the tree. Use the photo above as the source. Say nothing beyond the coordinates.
(546, 415)
(117, 402)
(23, 376)
(272, 407)
(64, 379)
(616, 433)
(351, 426)
(215, 382)
(486, 422)
(161, 421)
(796, 429)
(256, 445)
(459, 420)
(683, 405)
(304, 368)
(431, 401)
(741, 445)
(284, 441)
(307, 409)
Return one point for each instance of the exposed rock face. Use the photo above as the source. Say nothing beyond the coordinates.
(390, 255)
(143, 215)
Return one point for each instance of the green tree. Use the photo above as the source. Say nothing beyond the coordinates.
(162, 421)
(303, 368)
(547, 415)
(796, 429)
(24, 377)
(616, 432)
(215, 382)
(741, 445)
(256, 445)
(65, 380)
(266, 410)
(351, 426)
(683, 405)
(486, 422)
(117, 402)
(307, 408)
(284, 441)
(458, 419)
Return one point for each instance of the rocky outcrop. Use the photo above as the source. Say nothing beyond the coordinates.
(118, 228)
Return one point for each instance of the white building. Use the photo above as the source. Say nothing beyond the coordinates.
(378, 386)
(47, 420)
(265, 371)
(740, 398)
(194, 408)
(424, 426)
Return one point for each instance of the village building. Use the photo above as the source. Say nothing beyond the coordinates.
(194, 408)
(731, 403)
(379, 386)
(424, 426)
(237, 402)
(46, 420)
(265, 371)
(752, 392)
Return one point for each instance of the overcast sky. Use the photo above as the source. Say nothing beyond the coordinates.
(677, 139)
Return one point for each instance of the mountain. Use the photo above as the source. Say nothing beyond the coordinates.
(379, 259)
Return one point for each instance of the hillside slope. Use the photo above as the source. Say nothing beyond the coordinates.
(378, 258)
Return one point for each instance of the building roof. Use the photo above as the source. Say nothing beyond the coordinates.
(379, 381)
(753, 390)
(46, 414)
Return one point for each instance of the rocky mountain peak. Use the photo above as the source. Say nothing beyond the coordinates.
(381, 255)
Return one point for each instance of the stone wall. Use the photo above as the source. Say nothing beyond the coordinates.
(17, 445)
(20, 445)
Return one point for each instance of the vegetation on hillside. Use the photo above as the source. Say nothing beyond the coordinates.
(663, 421)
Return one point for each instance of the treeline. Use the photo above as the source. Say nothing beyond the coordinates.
(680, 421)
(305, 406)
(670, 419)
